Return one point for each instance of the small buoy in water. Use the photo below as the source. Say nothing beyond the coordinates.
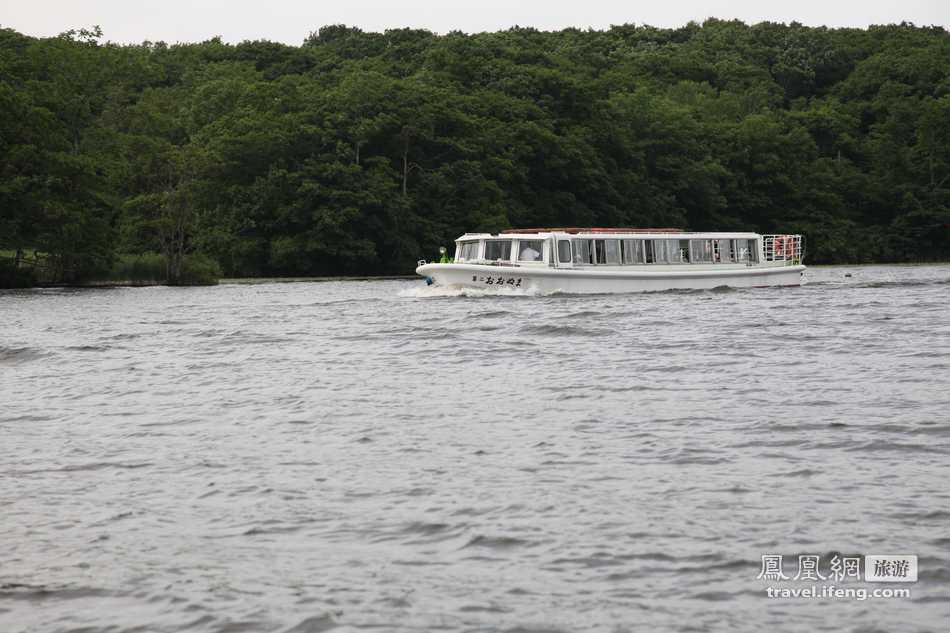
(429, 281)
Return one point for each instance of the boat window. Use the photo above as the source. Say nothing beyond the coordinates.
(723, 251)
(742, 250)
(582, 252)
(632, 251)
(667, 251)
(530, 250)
(600, 255)
(468, 251)
(648, 251)
(746, 250)
(700, 251)
(498, 250)
(612, 248)
(564, 251)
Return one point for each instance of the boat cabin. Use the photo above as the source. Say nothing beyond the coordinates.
(579, 248)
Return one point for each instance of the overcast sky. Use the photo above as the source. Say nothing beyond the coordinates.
(291, 21)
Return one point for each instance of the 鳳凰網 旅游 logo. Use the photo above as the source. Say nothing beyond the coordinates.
(789, 572)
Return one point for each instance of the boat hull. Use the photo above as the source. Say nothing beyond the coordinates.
(586, 281)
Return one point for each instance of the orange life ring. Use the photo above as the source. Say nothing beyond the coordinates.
(789, 246)
(778, 246)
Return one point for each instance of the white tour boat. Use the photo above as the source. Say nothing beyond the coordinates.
(578, 260)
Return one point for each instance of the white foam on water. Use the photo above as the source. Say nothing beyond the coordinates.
(429, 292)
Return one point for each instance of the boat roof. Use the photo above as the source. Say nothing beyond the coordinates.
(600, 231)
(575, 230)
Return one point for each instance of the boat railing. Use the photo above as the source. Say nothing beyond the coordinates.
(783, 248)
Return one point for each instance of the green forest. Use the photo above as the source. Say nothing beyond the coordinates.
(358, 153)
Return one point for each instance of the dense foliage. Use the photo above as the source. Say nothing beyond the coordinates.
(361, 152)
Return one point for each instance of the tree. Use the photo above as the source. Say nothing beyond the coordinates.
(360, 152)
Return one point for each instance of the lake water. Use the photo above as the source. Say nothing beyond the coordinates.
(379, 455)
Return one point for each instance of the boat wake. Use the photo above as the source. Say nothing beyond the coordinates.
(430, 292)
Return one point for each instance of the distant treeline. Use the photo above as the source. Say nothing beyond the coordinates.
(357, 153)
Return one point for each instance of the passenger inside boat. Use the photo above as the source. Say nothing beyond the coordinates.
(530, 251)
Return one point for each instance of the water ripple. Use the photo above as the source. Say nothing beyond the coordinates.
(381, 455)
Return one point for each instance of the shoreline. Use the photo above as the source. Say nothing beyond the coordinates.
(252, 281)
(289, 280)
(245, 281)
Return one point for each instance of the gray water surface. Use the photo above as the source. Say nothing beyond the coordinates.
(377, 455)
